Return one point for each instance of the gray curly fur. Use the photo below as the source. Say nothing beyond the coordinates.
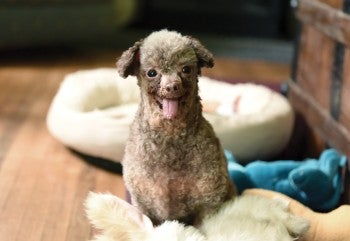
(174, 169)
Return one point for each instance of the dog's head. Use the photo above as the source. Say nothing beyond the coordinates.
(167, 65)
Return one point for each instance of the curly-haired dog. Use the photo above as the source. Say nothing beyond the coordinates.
(174, 165)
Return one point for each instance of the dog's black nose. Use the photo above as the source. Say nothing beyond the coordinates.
(172, 87)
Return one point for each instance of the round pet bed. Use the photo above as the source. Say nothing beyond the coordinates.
(93, 109)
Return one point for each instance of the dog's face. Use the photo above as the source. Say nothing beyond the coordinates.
(170, 79)
(167, 65)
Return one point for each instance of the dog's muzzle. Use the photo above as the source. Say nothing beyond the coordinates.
(171, 94)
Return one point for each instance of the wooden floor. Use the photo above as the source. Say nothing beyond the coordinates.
(42, 184)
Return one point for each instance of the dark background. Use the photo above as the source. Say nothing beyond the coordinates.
(248, 18)
(251, 29)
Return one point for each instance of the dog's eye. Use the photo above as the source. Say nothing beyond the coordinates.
(152, 73)
(186, 69)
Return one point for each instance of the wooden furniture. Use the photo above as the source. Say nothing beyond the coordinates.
(320, 85)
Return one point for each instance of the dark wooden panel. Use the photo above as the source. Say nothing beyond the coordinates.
(315, 64)
(344, 118)
(333, 3)
(326, 18)
(319, 119)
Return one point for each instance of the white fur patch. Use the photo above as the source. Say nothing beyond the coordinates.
(248, 218)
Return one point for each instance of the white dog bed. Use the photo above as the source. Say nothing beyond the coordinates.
(93, 109)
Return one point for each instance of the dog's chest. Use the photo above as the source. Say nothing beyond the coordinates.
(189, 151)
(156, 158)
(176, 174)
(170, 154)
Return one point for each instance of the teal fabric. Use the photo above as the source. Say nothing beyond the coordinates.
(317, 183)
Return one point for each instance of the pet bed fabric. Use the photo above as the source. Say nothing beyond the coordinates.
(93, 109)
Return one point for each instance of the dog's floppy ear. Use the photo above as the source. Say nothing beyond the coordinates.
(205, 57)
(129, 62)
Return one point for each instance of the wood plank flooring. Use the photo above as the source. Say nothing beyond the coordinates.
(42, 184)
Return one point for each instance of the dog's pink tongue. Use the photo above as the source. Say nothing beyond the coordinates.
(170, 108)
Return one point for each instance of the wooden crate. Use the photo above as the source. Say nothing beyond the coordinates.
(320, 86)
